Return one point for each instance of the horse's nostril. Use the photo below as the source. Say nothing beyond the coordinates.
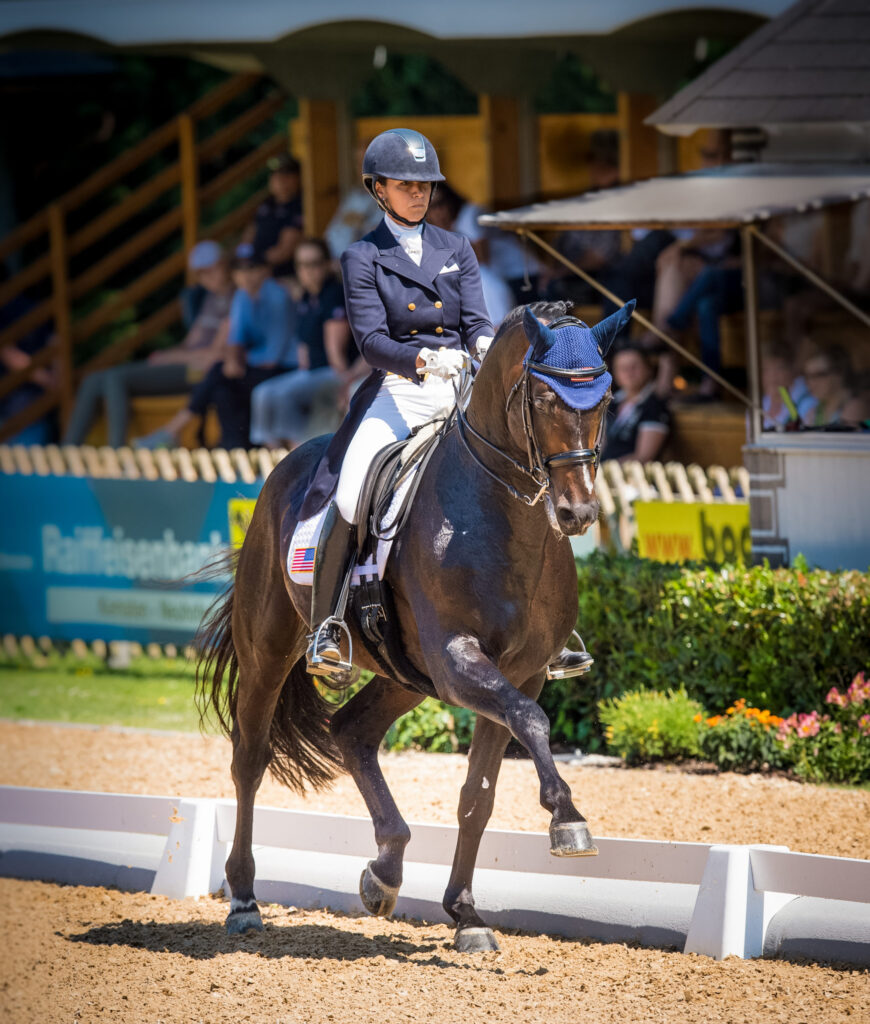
(566, 517)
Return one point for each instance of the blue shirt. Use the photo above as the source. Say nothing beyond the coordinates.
(265, 327)
(314, 311)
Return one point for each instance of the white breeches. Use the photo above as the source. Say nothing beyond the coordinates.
(399, 406)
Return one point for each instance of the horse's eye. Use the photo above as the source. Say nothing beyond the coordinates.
(543, 403)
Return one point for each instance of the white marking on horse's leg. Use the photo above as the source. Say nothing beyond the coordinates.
(240, 905)
(485, 783)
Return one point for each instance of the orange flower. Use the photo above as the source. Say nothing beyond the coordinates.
(715, 720)
(697, 717)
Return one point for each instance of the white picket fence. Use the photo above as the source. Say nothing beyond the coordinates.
(740, 888)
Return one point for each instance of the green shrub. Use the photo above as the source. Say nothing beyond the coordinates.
(743, 739)
(432, 726)
(648, 725)
(777, 637)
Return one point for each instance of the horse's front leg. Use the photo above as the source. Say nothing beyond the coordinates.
(475, 807)
(464, 675)
(358, 728)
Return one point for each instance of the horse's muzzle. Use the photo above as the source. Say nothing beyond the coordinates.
(574, 519)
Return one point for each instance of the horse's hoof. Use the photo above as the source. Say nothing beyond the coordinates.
(241, 921)
(572, 839)
(378, 897)
(475, 940)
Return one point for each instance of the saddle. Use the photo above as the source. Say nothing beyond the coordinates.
(383, 509)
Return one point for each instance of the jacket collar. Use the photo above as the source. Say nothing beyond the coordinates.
(393, 256)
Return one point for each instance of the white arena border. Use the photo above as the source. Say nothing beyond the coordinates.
(740, 889)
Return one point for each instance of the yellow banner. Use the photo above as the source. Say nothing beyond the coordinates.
(240, 511)
(681, 532)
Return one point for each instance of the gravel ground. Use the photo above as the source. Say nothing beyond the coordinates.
(74, 954)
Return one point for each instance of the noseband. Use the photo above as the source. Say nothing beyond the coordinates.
(540, 465)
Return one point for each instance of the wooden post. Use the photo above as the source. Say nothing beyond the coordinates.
(318, 154)
(753, 357)
(189, 180)
(638, 143)
(501, 130)
(61, 301)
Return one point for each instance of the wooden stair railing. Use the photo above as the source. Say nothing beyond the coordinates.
(63, 285)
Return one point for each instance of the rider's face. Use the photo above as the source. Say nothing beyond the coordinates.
(409, 199)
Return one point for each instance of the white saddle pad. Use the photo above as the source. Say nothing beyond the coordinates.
(303, 547)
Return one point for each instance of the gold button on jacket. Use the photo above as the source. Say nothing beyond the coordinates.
(439, 304)
(412, 306)
(439, 330)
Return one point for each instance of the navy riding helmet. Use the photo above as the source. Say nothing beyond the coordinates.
(402, 154)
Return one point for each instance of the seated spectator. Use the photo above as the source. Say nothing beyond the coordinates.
(786, 400)
(356, 216)
(261, 344)
(169, 371)
(277, 226)
(829, 376)
(638, 421)
(450, 211)
(284, 409)
(18, 357)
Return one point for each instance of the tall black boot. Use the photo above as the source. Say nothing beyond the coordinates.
(336, 544)
(570, 663)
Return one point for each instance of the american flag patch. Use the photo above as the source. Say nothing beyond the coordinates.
(303, 560)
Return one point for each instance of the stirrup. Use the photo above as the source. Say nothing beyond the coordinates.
(577, 670)
(338, 671)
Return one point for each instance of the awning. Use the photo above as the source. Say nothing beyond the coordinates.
(727, 197)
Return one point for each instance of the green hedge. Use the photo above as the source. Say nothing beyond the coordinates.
(780, 638)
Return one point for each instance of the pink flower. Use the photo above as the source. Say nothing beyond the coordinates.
(864, 724)
(835, 697)
(859, 690)
(809, 725)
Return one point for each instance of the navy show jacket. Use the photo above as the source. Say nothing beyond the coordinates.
(395, 308)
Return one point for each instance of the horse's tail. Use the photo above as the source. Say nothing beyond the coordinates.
(301, 748)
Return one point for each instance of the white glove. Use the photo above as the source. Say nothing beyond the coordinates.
(481, 347)
(446, 363)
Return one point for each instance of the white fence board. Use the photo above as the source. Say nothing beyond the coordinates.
(811, 874)
(102, 812)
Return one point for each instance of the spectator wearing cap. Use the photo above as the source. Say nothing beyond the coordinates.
(296, 406)
(170, 371)
(261, 343)
(277, 225)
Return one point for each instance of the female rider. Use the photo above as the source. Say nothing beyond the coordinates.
(414, 301)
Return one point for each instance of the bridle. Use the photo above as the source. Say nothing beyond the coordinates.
(539, 466)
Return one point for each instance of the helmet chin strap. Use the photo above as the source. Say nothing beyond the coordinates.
(385, 206)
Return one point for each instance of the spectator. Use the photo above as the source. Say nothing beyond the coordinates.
(261, 344)
(638, 421)
(170, 371)
(448, 210)
(284, 409)
(356, 216)
(786, 400)
(277, 225)
(18, 357)
(829, 377)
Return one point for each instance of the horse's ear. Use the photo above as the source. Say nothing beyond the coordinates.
(606, 330)
(539, 337)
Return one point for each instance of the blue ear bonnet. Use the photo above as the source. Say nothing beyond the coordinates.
(575, 348)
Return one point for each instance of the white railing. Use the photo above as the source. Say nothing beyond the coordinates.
(740, 888)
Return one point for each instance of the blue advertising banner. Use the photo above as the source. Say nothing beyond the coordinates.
(97, 559)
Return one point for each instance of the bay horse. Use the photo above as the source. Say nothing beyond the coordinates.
(485, 592)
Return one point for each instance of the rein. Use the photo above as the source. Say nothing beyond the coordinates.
(538, 469)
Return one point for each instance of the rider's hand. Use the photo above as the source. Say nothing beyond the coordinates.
(233, 368)
(481, 347)
(446, 363)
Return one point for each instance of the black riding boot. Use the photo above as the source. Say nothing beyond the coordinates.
(337, 539)
(570, 663)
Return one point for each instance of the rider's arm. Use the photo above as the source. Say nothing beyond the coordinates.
(368, 317)
(474, 318)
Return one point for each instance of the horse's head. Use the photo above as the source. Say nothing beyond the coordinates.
(552, 386)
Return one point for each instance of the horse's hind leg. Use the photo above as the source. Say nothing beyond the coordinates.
(464, 675)
(358, 728)
(267, 644)
(475, 807)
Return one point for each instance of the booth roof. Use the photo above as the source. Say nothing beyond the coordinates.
(724, 197)
(155, 22)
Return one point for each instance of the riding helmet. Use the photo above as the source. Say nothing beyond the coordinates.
(402, 154)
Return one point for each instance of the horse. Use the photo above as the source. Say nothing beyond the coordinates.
(485, 593)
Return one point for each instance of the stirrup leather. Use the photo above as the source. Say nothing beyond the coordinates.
(568, 672)
(320, 666)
